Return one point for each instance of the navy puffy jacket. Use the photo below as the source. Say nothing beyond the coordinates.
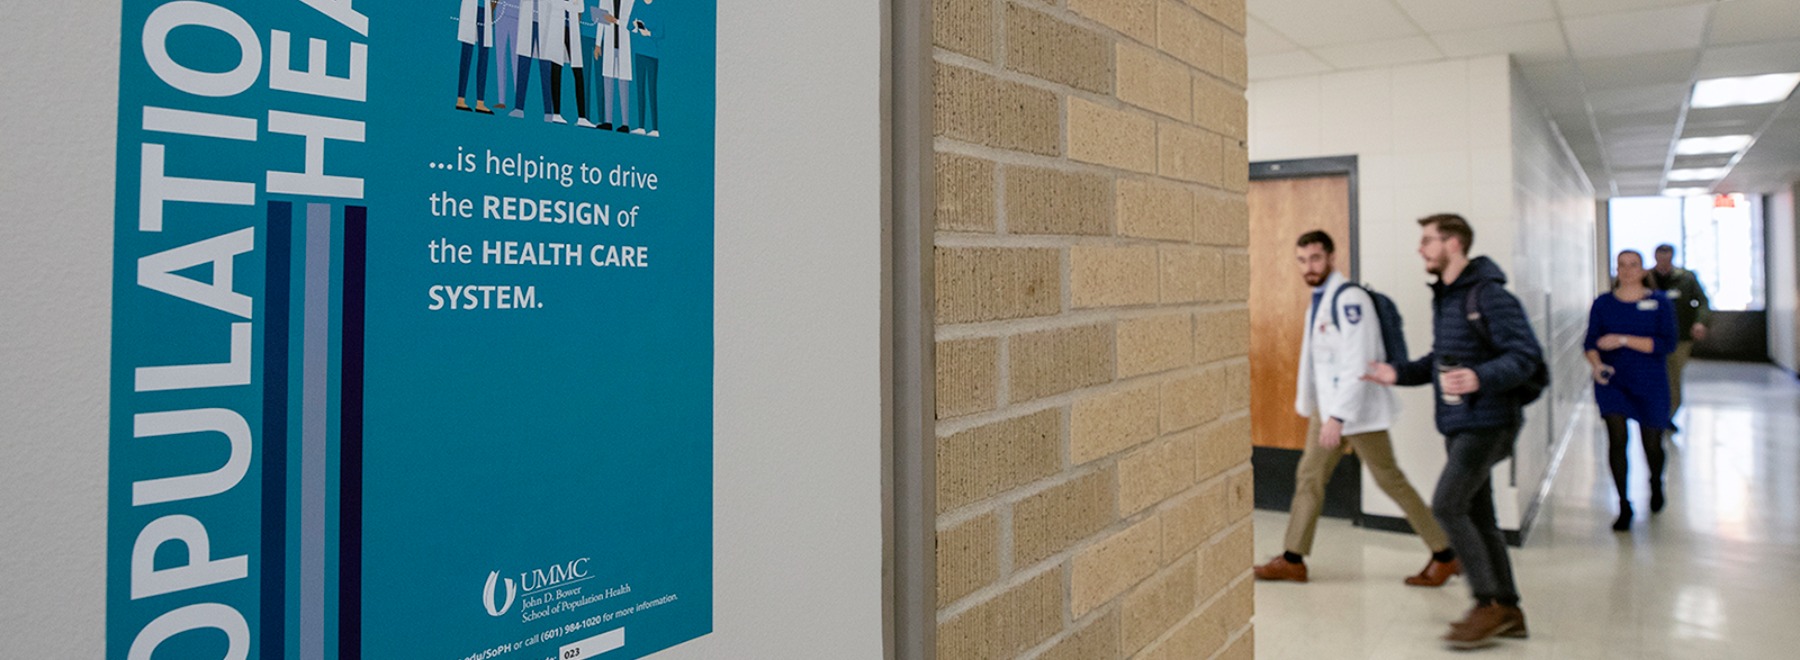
(1502, 367)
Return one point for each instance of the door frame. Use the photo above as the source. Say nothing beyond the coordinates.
(1273, 467)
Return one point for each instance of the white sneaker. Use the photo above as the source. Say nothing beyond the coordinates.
(557, 119)
(655, 133)
(584, 123)
(637, 131)
(516, 114)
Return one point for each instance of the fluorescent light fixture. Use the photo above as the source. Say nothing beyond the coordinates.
(1698, 174)
(1744, 90)
(1685, 192)
(1724, 144)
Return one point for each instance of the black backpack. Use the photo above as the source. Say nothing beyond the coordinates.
(1539, 381)
(1393, 332)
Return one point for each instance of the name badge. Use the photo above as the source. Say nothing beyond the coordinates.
(1646, 305)
(1673, 293)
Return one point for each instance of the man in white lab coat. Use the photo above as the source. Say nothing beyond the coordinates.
(614, 53)
(1343, 335)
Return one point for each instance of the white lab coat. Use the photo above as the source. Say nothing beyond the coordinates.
(465, 24)
(1334, 359)
(549, 14)
(572, 56)
(615, 53)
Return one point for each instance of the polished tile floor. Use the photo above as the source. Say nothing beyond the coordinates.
(1715, 576)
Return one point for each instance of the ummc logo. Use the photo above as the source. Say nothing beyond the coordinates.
(497, 609)
(533, 581)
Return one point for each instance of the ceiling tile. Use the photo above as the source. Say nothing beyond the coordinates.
(1282, 65)
(1379, 53)
(1750, 60)
(1594, 7)
(1529, 43)
(1639, 32)
(1743, 119)
(1629, 100)
(1260, 39)
(1675, 67)
(1452, 15)
(1745, 21)
(1314, 23)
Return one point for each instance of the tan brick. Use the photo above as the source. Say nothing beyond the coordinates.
(1188, 154)
(1098, 641)
(1108, 276)
(1243, 648)
(1153, 209)
(1135, 18)
(986, 460)
(1223, 219)
(1105, 424)
(1220, 107)
(1048, 201)
(965, 193)
(964, 26)
(1208, 631)
(1149, 81)
(987, 284)
(1220, 334)
(1051, 521)
(975, 107)
(1226, 560)
(1055, 361)
(1041, 45)
(968, 558)
(1234, 157)
(1150, 610)
(1189, 36)
(1186, 272)
(1111, 566)
(1236, 274)
(1223, 447)
(1018, 619)
(1189, 521)
(1115, 138)
(968, 376)
(1156, 343)
(1234, 61)
(1153, 474)
(1192, 400)
(1240, 495)
(1236, 393)
(1230, 13)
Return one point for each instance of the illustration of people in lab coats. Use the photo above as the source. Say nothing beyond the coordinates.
(614, 53)
(647, 29)
(506, 38)
(563, 51)
(475, 29)
(537, 21)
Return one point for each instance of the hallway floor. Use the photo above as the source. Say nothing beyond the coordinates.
(1716, 575)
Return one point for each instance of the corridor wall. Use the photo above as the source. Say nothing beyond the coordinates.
(1783, 255)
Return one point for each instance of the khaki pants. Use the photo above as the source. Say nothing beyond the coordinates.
(1377, 452)
(1678, 360)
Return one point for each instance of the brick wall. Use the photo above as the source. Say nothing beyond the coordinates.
(1092, 388)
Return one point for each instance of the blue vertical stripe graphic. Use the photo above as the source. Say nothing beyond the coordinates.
(315, 384)
(275, 429)
(350, 437)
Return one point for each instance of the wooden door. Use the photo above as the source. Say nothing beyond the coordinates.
(1280, 211)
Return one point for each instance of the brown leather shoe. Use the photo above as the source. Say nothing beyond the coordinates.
(1483, 624)
(1279, 569)
(1436, 573)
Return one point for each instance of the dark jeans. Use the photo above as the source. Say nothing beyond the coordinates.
(643, 74)
(1464, 507)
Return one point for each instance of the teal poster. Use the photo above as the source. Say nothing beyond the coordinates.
(412, 330)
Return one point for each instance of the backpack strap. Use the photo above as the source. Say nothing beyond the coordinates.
(1472, 312)
(1334, 301)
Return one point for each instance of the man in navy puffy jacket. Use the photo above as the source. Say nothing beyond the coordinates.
(1477, 365)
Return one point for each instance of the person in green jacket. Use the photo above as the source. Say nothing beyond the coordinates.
(1693, 312)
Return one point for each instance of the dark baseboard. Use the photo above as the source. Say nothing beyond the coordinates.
(1274, 470)
(1392, 524)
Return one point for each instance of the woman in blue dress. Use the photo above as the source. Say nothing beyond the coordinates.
(1631, 331)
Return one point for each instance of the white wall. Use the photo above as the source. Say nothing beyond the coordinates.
(1783, 255)
(1430, 138)
(798, 540)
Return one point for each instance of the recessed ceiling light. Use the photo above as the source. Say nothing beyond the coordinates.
(1685, 192)
(1745, 90)
(1698, 174)
(1724, 144)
